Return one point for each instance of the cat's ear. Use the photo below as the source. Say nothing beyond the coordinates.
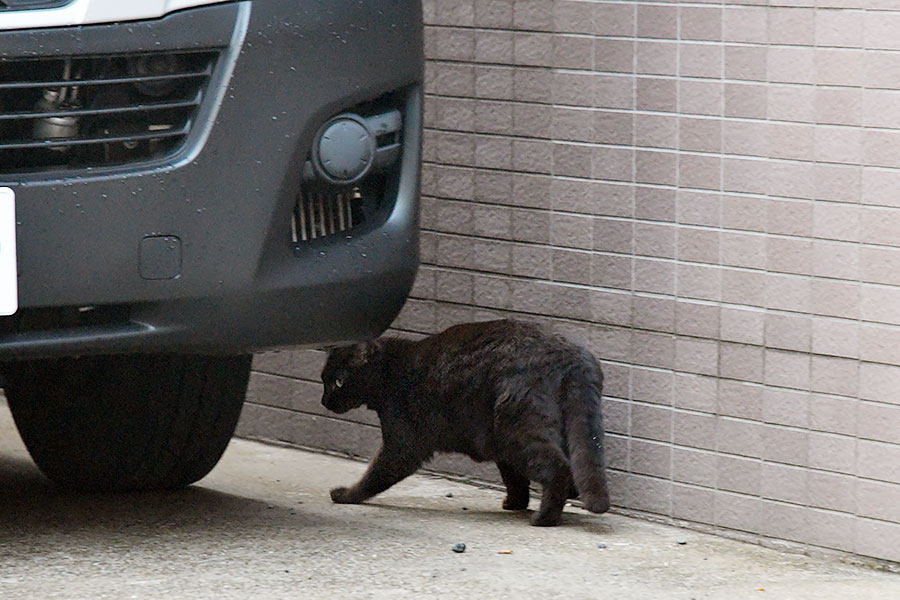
(367, 351)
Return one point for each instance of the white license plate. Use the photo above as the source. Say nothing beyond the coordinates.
(9, 289)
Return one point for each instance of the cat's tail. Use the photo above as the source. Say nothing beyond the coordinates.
(580, 403)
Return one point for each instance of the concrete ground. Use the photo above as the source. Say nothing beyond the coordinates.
(262, 526)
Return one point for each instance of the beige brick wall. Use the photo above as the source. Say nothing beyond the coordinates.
(707, 194)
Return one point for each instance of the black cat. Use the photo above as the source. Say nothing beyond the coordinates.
(501, 390)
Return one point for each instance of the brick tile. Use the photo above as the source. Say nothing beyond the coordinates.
(536, 49)
(788, 292)
(831, 452)
(736, 511)
(649, 494)
(573, 17)
(573, 52)
(606, 91)
(655, 167)
(742, 325)
(700, 23)
(738, 475)
(493, 13)
(569, 124)
(656, 94)
(700, 171)
(655, 314)
(744, 287)
(571, 266)
(745, 63)
(831, 491)
(880, 265)
(739, 361)
(743, 438)
(745, 212)
(694, 430)
(744, 24)
(838, 183)
(835, 298)
(611, 343)
(656, 131)
(879, 382)
(699, 319)
(693, 504)
(839, 106)
(650, 458)
(651, 422)
(835, 375)
(611, 308)
(572, 160)
(700, 97)
(532, 261)
(657, 21)
(694, 392)
(449, 44)
(654, 204)
(614, 19)
(839, 28)
(655, 276)
(878, 460)
(614, 56)
(839, 67)
(749, 138)
(791, 103)
(609, 270)
(654, 349)
(695, 467)
(878, 421)
(700, 60)
(533, 15)
(535, 85)
(745, 175)
(530, 191)
(880, 69)
(699, 281)
(700, 134)
(613, 163)
(785, 445)
(697, 207)
(780, 482)
(785, 407)
(787, 369)
(833, 415)
(746, 100)
(656, 240)
(784, 521)
(831, 530)
(877, 539)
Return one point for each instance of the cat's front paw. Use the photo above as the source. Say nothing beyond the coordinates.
(545, 520)
(342, 495)
(515, 503)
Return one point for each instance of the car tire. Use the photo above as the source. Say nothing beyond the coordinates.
(129, 422)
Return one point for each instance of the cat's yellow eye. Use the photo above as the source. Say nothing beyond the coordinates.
(338, 382)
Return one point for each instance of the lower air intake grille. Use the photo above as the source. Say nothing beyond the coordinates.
(323, 213)
(65, 113)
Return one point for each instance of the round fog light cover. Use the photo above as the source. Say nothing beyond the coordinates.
(344, 149)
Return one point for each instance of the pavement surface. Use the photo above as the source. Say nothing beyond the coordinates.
(262, 526)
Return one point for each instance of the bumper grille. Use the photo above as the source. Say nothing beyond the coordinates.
(319, 214)
(96, 111)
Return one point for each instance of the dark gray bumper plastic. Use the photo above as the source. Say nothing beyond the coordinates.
(243, 286)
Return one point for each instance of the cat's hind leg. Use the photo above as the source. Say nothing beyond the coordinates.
(517, 495)
(547, 465)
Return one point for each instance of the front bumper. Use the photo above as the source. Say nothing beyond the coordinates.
(243, 284)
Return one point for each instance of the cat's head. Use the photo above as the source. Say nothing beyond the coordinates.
(351, 376)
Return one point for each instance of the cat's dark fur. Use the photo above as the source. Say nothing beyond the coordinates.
(501, 390)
